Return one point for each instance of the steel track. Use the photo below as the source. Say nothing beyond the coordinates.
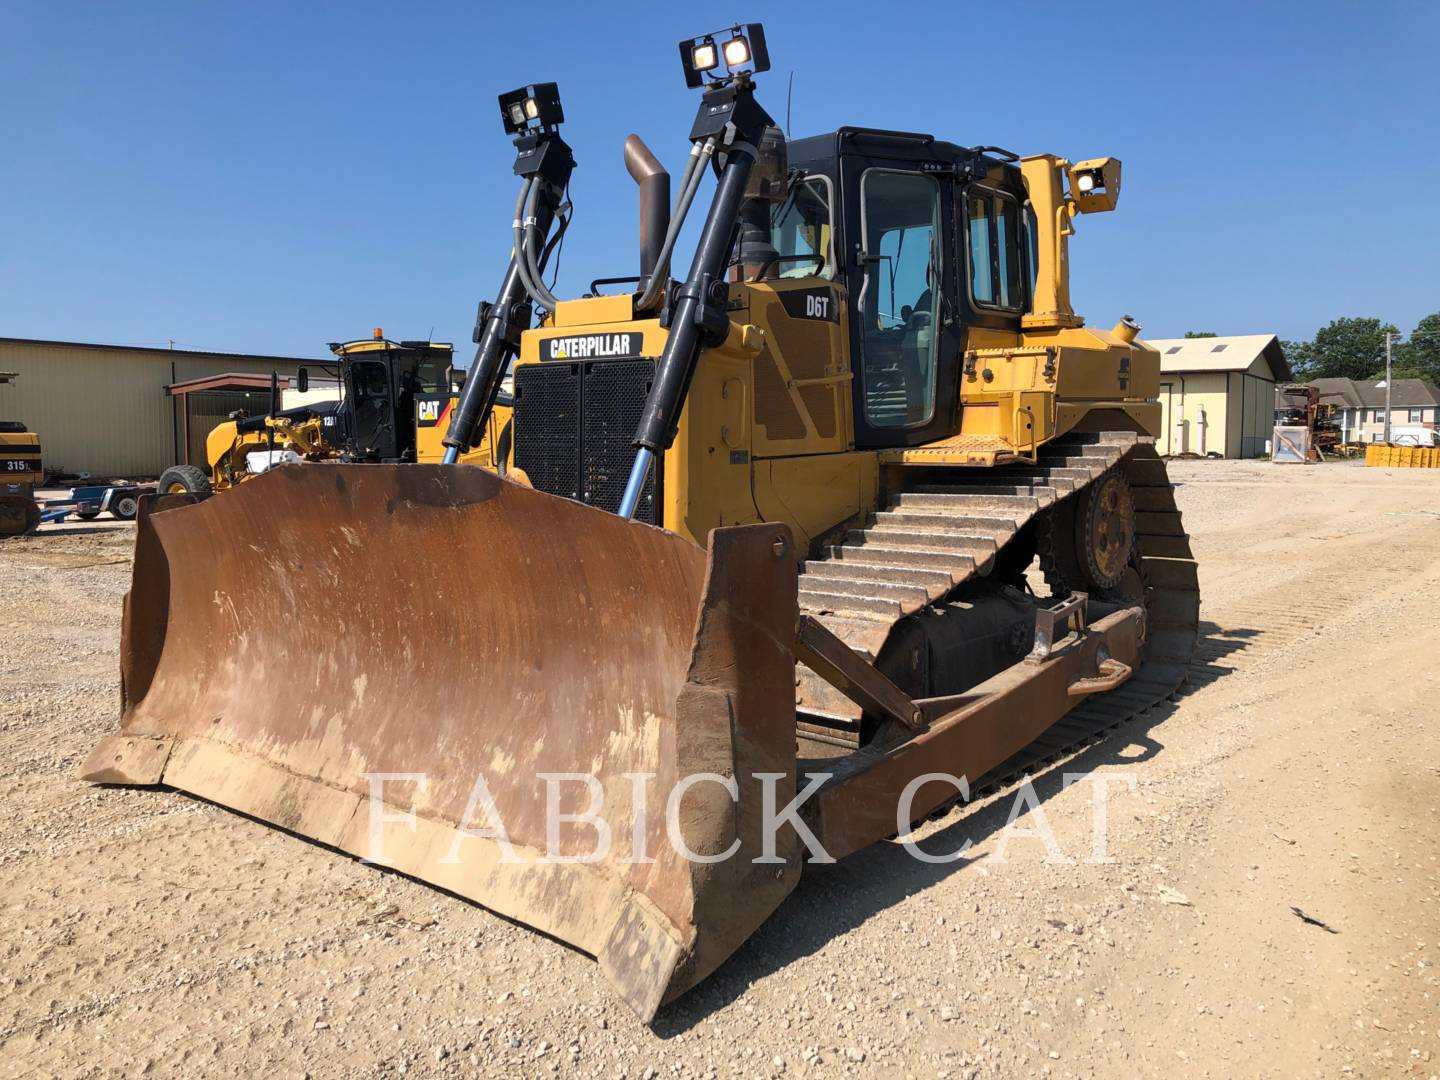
(935, 537)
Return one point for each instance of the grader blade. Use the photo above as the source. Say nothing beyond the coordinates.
(493, 690)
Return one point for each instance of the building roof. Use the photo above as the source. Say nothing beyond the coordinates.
(230, 380)
(158, 349)
(1343, 392)
(1236, 353)
(1370, 394)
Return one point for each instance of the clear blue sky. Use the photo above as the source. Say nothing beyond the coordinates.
(267, 176)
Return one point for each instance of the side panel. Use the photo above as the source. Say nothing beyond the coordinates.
(20, 458)
(1077, 371)
(802, 376)
(1234, 413)
(1193, 413)
(707, 471)
(767, 437)
(1259, 398)
(432, 420)
(1201, 417)
(816, 495)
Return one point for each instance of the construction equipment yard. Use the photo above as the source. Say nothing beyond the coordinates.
(1298, 771)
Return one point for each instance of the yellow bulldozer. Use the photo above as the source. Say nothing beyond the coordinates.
(21, 472)
(395, 401)
(855, 518)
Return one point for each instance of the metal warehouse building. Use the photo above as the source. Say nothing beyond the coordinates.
(1217, 394)
(128, 411)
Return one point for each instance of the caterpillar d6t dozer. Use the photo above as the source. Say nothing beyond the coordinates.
(785, 550)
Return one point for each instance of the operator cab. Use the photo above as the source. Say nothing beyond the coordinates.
(927, 239)
(383, 382)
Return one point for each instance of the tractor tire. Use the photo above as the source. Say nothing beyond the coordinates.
(87, 515)
(184, 479)
(125, 507)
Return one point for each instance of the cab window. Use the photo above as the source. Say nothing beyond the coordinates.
(800, 231)
(432, 375)
(992, 226)
(900, 297)
(371, 380)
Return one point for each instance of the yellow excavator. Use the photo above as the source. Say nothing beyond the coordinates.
(21, 472)
(856, 517)
(394, 405)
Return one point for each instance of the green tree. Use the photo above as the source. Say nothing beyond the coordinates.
(1349, 348)
(1200, 333)
(1301, 357)
(1419, 357)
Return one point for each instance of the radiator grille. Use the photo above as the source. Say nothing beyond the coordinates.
(547, 427)
(573, 426)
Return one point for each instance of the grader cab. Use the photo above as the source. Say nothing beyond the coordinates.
(394, 403)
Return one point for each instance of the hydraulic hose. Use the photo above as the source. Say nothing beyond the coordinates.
(544, 161)
(520, 239)
(661, 272)
(538, 259)
(479, 391)
(694, 173)
(527, 240)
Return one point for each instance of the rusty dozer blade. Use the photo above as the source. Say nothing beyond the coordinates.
(397, 661)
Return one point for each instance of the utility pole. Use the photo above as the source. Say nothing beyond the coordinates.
(1389, 378)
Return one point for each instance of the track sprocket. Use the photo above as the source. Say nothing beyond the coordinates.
(1088, 542)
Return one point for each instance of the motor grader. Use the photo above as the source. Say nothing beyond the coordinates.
(395, 402)
(853, 518)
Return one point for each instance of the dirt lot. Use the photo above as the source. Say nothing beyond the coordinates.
(144, 931)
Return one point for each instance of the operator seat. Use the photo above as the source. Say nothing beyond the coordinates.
(916, 349)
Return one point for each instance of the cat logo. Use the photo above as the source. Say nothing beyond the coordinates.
(431, 411)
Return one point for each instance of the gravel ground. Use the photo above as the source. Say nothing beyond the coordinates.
(147, 932)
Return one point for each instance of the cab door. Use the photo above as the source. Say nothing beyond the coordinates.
(372, 419)
(903, 323)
